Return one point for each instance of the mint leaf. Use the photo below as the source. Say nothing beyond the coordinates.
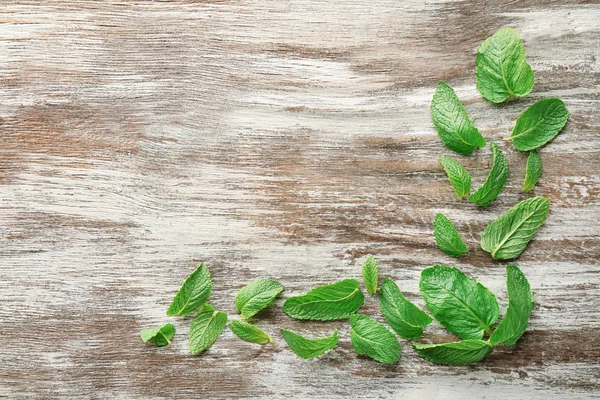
(501, 71)
(160, 336)
(249, 333)
(326, 303)
(455, 353)
(495, 181)
(194, 292)
(447, 237)
(406, 319)
(370, 272)
(309, 348)
(256, 296)
(539, 124)
(465, 307)
(452, 122)
(507, 236)
(521, 302)
(206, 328)
(533, 171)
(373, 339)
(459, 177)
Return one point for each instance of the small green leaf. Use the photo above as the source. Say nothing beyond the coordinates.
(194, 292)
(501, 71)
(495, 181)
(539, 124)
(533, 171)
(370, 272)
(373, 339)
(455, 353)
(452, 122)
(507, 236)
(327, 303)
(249, 333)
(160, 336)
(309, 348)
(465, 307)
(206, 328)
(447, 237)
(459, 177)
(406, 319)
(257, 296)
(521, 302)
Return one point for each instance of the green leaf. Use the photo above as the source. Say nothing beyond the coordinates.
(507, 236)
(370, 272)
(326, 303)
(533, 171)
(160, 336)
(459, 177)
(447, 237)
(521, 302)
(452, 122)
(455, 353)
(495, 181)
(206, 328)
(194, 292)
(405, 318)
(465, 307)
(249, 333)
(539, 124)
(373, 339)
(309, 348)
(501, 71)
(256, 296)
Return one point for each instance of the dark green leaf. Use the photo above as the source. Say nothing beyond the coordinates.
(194, 292)
(370, 272)
(539, 124)
(465, 307)
(160, 336)
(249, 333)
(309, 348)
(406, 319)
(257, 296)
(495, 181)
(533, 171)
(507, 236)
(459, 177)
(447, 237)
(452, 122)
(373, 339)
(206, 328)
(456, 353)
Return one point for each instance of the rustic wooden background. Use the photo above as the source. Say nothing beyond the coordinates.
(284, 139)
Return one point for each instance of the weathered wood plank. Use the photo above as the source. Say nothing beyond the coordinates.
(281, 139)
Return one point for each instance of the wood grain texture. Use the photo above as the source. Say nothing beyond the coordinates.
(279, 139)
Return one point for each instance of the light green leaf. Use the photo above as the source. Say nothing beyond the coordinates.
(447, 237)
(459, 177)
(373, 339)
(507, 236)
(501, 71)
(309, 348)
(533, 171)
(465, 307)
(406, 319)
(249, 333)
(539, 124)
(452, 122)
(495, 181)
(521, 302)
(327, 303)
(194, 292)
(455, 353)
(257, 296)
(206, 328)
(370, 272)
(160, 336)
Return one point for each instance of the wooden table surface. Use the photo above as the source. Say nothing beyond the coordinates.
(283, 139)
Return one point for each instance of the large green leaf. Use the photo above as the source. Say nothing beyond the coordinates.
(327, 303)
(309, 348)
(194, 292)
(539, 124)
(373, 339)
(455, 353)
(459, 177)
(521, 302)
(447, 237)
(507, 236)
(206, 328)
(452, 121)
(406, 319)
(501, 71)
(465, 307)
(495, 181)
(256, 296)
